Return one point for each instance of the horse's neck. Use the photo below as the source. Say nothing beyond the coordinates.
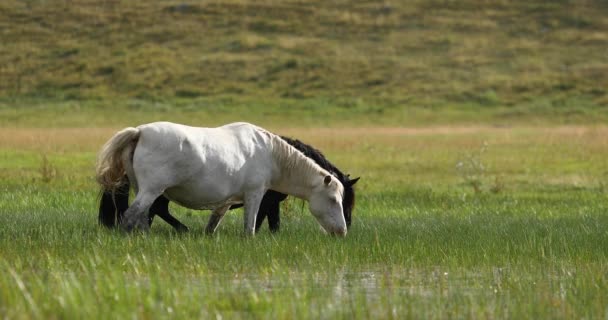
(297, 173)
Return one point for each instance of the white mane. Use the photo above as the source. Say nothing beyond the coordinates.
(293, 162)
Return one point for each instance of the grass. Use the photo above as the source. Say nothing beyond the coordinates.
(477, 260)
(424, 243)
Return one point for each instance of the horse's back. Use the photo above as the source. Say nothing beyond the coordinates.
(231, 144)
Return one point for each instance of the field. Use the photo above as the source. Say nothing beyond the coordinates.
(478, 130)
(450, 222)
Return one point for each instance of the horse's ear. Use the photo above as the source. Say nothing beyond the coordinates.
(327, 180)
(353, 181)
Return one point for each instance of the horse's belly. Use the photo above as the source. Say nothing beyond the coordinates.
(200, 197)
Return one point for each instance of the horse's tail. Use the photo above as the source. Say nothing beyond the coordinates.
(115, 159)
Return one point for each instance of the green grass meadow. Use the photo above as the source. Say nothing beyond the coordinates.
(478, 129)
(457, 222)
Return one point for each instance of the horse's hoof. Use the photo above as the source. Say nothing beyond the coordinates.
(126, 228)
(143, 227)
(339, 233)
(131, 227)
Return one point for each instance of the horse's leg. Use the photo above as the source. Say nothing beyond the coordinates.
(107, 210)
(273, 211)
(263, 211)
(215, 218)
(274, 218)
(121, 198)
(160, 207)
(270, 208)
(252, 206)
(113, 205)
(136, 216)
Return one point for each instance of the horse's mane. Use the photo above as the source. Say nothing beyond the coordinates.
(291, 158)
(316, 155)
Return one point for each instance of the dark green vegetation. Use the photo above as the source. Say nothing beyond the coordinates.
(450, 223)
(398, 62)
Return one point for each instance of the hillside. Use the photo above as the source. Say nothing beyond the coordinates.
(543, 57)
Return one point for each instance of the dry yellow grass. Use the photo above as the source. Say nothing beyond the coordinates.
(54, 140)
(89, 139)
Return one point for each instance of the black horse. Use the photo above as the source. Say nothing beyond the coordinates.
(114, 204)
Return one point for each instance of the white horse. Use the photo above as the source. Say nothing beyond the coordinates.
(214, 168)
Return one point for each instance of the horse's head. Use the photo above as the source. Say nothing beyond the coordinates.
(348, 200)
(325, 203)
